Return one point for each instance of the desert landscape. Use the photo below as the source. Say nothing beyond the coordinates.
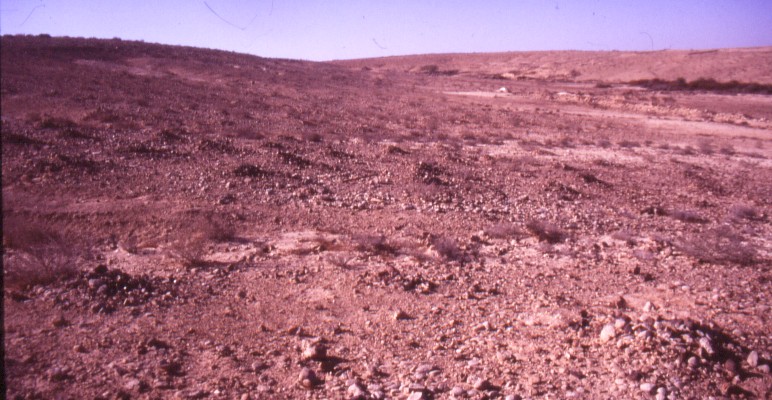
(183, 223)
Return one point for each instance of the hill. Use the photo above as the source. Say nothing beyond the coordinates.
(189, 223)
(742, 64)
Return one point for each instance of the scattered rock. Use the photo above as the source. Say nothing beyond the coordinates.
(753, 359)
(401, 315)
(482, 384)
(607, 333)
(307, 378)
(60, 322)
(416, 396)
(355, 391)
(647, 387)
(315, 352)
(458, 391)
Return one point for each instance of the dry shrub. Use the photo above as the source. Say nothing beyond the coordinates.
(195, 236)
(545, 231)
(503, 231)
(628, 144)
(246, 170)
(624, 236)
(38, 255)
(688, 216)
(376, 244)
(447, 248)
(721, 245)
(744, 211)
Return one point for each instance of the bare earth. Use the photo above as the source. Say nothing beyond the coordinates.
(195, 224)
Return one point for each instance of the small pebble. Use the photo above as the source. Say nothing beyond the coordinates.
(607, 333)
(307, 378)
(481, 384)
(356, 392)
(314, 352)
(401, 315)
(416, 396)
(647, 387)
(753, 359)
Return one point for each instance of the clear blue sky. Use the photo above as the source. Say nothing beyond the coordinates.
(341, 29)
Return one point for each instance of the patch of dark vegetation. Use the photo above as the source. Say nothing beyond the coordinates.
(20, 139)
(658, 211)
(503, 231)
(250, 171)
(38, 255)
(49, 122)
(293, 159)
(628, 144)
(75, 134)
(376, 244)
(721, 245)
(429, 173)
(172, 135)
(392, 149)
(197, 231)
(79, 162)
(704, 85)
(433, 69)
(148, 149)
(274, 145)
(545, 231)
(562, 191)
(744, 211)
(688, 216)
(447, 248)
(218, 145)
(625, 236)
(340, 154)
(592, 179)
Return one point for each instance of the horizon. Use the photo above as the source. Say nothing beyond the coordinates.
(343, 30)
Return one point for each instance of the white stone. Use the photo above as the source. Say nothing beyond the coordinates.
(607, 333)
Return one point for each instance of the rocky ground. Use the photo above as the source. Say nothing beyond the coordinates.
(194, 224)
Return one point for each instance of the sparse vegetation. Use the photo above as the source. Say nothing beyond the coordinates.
(447, 248)
(720, 245)
(545, 231)
(704, 84)
(197, 233)
(35, 255)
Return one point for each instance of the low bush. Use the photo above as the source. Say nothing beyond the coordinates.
(721, 245)
(744, 211)
(249, 171)
(503, 231)
(704, 84)
(36, 255)
(545, 231)
(447, 248)
(377, 244)
(688, 216)
(197, 233)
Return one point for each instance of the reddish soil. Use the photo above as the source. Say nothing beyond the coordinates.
(196, 224)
